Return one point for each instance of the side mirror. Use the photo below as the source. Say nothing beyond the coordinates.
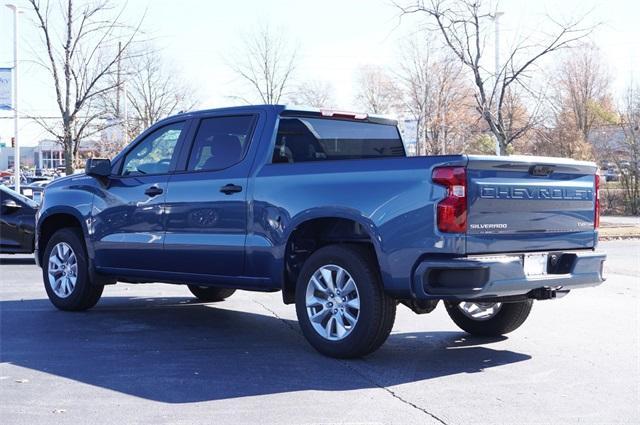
(10, 205)
(98, 167)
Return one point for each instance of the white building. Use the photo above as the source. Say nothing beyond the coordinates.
(48, 154)
(7, 156)
(408, 130)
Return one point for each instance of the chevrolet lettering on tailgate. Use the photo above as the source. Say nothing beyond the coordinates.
(538, 193)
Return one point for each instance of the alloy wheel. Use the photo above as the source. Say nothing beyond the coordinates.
(479, 311)
(332, 302)
(62, 269)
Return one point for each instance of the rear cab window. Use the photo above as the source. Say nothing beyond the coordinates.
(305, 138)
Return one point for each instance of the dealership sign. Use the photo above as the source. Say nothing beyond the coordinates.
(5, 89)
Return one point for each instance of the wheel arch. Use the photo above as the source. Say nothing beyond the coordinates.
(316, 229)
(53, 220)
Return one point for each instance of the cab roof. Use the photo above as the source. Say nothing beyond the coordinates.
(295, 110)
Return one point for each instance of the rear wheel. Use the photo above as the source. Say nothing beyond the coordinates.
(210, 294)
(340, 302)
(489, 319)
(66, 274)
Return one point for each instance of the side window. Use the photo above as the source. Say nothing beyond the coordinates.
(153, 155)
(220, 142)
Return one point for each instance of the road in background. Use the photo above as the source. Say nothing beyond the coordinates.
(619, 227)
(151, 354)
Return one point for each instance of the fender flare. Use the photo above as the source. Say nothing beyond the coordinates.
(332, 212)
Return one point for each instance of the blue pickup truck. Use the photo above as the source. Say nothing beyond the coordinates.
(325, 207)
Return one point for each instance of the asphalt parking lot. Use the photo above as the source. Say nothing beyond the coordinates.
(151, 354)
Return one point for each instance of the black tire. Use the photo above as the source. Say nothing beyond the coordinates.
(377, 310)
(210, 294)
(84, 294)
(509, 318)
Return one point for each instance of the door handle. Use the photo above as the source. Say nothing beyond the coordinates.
(230, 188)
(153, 191)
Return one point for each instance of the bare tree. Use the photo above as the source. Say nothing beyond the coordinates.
(152, 91)
(434, 96)
(461, 27)
(627, 154)
(313, 93)
(415, 77)
(583, 88)
(155, 91)
(148, 90)
(83, 45)
(520, 121)
(560, 139)
(579, 102)
(376, 90)
(266, 62)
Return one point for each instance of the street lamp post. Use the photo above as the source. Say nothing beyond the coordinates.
(16, 149)
(496, 20)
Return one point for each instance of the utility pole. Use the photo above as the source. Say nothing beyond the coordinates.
(118, 81)
(125, 118)
(496, 20)
(16, 149)
(443, 128)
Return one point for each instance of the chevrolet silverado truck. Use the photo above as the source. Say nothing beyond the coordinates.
(326, 207)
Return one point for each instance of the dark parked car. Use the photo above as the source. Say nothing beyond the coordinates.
(325, 207)
(17, 222)
(32, 191)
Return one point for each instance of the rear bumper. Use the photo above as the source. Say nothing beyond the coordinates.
(503, 275)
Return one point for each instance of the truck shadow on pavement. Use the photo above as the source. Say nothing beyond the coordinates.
(5, 261)
(175, 350)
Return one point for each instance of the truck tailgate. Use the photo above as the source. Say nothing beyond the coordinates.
(529, 204)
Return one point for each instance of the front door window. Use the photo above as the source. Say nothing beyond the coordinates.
(153, 155)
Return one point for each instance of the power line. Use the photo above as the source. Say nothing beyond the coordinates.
(32, 118)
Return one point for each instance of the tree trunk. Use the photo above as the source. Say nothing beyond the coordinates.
(418, 131)
(68, 158)
(503, 147)
(502, 143)
(67, 143)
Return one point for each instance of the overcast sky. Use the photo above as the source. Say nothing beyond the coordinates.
(334, 38)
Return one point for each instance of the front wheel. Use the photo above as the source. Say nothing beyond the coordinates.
(488, 319)
(341, 306)
(66, 273)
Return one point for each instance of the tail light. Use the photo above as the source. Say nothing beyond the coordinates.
(452, 211)
(596, 216)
